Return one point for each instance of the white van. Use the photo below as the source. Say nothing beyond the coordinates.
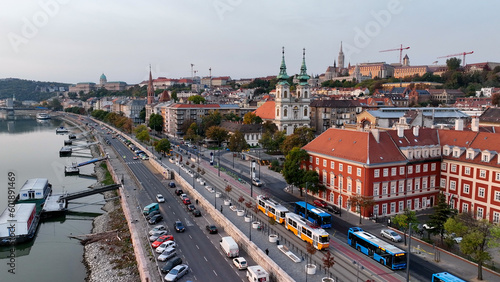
(229, 247)
(256, 273)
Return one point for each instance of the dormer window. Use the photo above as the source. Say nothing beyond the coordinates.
(486, 158)
(446, 150)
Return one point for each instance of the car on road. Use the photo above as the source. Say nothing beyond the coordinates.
(171, 263)
(240, 263)
(391, 235)
(155, 219)
(186, 201)
(165, 245)
(176, 272)
(156, 235)
(191, 207)
(333, 209)
(320, 203)
(161, 239)
(160, 199)
(179, 227)
(135, 157)
(171, 185)
(151, 214)
(212, 229)
(256, 181)
(179, 192)
(183, 196)
(157, 228)
(196, 213)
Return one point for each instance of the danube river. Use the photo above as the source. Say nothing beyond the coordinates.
(30, 149)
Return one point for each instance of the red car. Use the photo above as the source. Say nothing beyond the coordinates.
(320, 203)
(162, 239)
(186, 201)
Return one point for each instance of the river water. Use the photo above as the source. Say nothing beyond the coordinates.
(30, 149)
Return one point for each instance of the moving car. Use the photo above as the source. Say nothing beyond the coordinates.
(155, 219)
(176, 272)
(179, 192)
(391, 235)
(191, 207)
(160, 199)
(171, 185)
(240, 263)
(162, 239)
(256, 182)
(196, 213)
(179, 227)
(171, 263)
(212, 229)
(320, 203)
(157, 228)
(186, 201)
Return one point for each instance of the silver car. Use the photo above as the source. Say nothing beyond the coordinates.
(157, 234)
(177, 272)
(391, 235)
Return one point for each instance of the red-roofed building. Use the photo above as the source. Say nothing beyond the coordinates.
(402, 169)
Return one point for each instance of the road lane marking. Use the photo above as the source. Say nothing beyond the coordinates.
(215, 273)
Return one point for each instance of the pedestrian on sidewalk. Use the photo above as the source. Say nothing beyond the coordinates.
(267, 251)
(220, 208)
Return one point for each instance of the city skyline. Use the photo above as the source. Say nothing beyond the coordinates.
(69, 41)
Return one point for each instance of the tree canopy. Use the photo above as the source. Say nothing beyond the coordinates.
(196, 99)
(301, 137)
(292, 171)
(163, 146)
(251, 118)
(442, 211)
(237, 142)
(217, 134)
(404, 219)
(156, 122)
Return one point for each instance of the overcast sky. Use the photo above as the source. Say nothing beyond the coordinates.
(75, 41)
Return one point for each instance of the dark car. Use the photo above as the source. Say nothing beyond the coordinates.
(212, 229)
(153, 213)
(191, 207)
(171, 263)
(171, 185)
(155, 219)
(179, 227)
(333, 209)
(179, 192)
(196, 213)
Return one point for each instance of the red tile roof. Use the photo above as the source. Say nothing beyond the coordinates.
(210, 106)
(266, 111)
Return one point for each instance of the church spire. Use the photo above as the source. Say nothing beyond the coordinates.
(341, 57)
(282, 76)
(303, 77)
(151, 90)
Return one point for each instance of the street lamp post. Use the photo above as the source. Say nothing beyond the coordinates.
(252, 163)
(358, 266)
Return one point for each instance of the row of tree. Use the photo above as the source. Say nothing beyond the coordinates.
(117, 120)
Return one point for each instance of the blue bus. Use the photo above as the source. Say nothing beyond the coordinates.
(315, 215)
(445, 277)
(376, 248)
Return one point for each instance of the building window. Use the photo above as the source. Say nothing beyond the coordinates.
(424, 183)
(417, 184)
(401, 186)
(409, 185)
(481, 192)
(393, 187)
(349, 169)
(496, 217)
(497, 196)
(466, 188)
(401, 206)
(375, 210)
(480, 212)
(417, 169)
(375, 189)
(358, 171)
(482, 173)
(416, 203)
(332, 165)
(453, 168)
(324, 163)
(408, 204)
(443, 166)
(433, 182)
(317, 161)
(376, 173)
(358, 187)
(394, 171)
(426, 167)
(341, 167)
(410, 169)
(486, 158)
(467, 170)
(384, 209)
(310, 159)
(453, 185)
(465, 207)
(386, 172)
(443, 183)
(384, 189)
(324, 177)
(332, 179)
(393, 207)
(433, 167)
(349, 184)
(341, 183)
(401, 170)
(497, 176)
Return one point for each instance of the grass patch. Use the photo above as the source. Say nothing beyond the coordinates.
(108, 179)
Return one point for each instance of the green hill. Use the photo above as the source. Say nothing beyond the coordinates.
(29, 89)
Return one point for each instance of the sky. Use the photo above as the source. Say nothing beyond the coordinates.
(74, 41)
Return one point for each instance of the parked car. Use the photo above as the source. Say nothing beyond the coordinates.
(162, 239)
(333, 209)
(160, 199)
(179, 227)
(168, 253)
(157, 228)
(240, 263)
(176, 272)
(179, 192)
(183, 196)
(165, 245)
(155, 219)
(196, 213)
(454, 237)
(171, 263)
(320, 203)
(156, 235)
(186, 201)
(171, 185)
(191, 207)
(256, 182)
(212, 229)
(151, 214)
(391, 235)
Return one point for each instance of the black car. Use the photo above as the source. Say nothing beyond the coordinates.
(333, 209)
(191, 207)
(179, 227)
(155, 219)
(196, 213)
(171, 263)
(212, 229)
(179, 192)
(171, 185)
(153, 213)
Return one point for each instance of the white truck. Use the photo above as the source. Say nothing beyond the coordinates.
(256, 273)
(229, 247)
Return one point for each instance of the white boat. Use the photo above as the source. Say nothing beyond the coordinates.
(61, 130)
(42, 116)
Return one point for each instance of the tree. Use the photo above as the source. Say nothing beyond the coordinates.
(196, 99)
(269, 126)
(311, 250)
(163, 146)
(328, 262)
(140, 129)
(299, 138)
(477, 237)
(142, 114)
(442, 211)
(156, 122)
(217, 134)
(404, 219)
(362, 202)
(495, 99)
(55, 104)
(213, 118)
(271, 141)
(310, 179)
(237, 142)
(174, 96)
(143, 136)
(292, 172)
(191, 133)
(251, 118)
(453, 63)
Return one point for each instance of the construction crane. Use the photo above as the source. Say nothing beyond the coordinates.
(400, 49)
(459, 54)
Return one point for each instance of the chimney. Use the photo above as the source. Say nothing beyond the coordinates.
(401, 131)
(459, 124)
(475, 124)
(415, 130)
(376, 134)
